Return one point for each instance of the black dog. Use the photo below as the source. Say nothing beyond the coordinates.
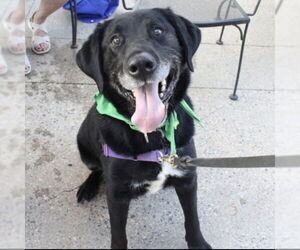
(141, 63)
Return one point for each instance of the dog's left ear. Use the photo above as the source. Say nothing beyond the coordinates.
(89, 57)
(188, 34)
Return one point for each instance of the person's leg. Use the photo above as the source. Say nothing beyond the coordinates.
(16, 28)
(46, 8)
(15, 25)
(18, 15)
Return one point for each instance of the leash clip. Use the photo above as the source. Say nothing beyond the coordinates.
(170, 159)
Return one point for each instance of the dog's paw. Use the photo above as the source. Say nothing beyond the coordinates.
(202, 246)
(85, 193)
(90, 188)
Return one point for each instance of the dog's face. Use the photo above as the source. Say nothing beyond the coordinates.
(139, 58)
(144, 48)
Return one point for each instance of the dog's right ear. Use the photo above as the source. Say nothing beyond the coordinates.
(89, 57)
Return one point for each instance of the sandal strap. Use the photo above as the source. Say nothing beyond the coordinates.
(37, 40)
(27, 64)
(14, 40)
(27, 59)
(34, 27)
(14, 27)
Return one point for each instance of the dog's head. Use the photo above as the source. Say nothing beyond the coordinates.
(141, 63)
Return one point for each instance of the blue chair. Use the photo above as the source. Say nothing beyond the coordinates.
(73, 11)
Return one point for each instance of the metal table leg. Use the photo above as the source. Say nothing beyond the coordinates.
(73, 8)
(233, 96)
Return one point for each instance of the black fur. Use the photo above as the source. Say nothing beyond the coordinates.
(102, 62)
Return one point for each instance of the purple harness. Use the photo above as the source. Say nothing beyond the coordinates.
(152, 156)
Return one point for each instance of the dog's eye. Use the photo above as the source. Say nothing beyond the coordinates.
(158, 31)
(116, 41)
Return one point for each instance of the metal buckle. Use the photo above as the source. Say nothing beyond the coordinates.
(169, 159)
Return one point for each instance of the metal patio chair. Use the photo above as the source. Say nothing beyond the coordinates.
(212, 13)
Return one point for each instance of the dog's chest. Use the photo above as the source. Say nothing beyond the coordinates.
(154, 186)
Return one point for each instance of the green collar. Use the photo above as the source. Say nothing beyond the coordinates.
(105, 107)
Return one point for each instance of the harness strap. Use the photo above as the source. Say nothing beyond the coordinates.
(152, 156)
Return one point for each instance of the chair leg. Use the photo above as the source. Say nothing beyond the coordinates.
(125, 6)
(278, 6)
(219, 41)
(233, 96)
(73, 7)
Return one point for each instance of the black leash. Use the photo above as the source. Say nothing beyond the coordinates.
(264, 161)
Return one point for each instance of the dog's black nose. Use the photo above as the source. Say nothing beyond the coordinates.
(141, 65)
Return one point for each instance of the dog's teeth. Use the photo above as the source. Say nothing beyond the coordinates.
(163, 85)
(146, 137)
(161, 95)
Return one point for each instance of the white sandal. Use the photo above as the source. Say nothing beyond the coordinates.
(37, 40)
(3, 64)
(28, 65)
(14, 40)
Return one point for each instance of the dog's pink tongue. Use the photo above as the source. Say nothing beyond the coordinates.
(150, 111)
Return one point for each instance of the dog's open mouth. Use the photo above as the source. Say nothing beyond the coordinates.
(151, 101)
(166, 86)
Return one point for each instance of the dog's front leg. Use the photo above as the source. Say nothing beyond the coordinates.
(118, 212)
(187, 195)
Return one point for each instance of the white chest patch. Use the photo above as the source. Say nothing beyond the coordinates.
(155, 186)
